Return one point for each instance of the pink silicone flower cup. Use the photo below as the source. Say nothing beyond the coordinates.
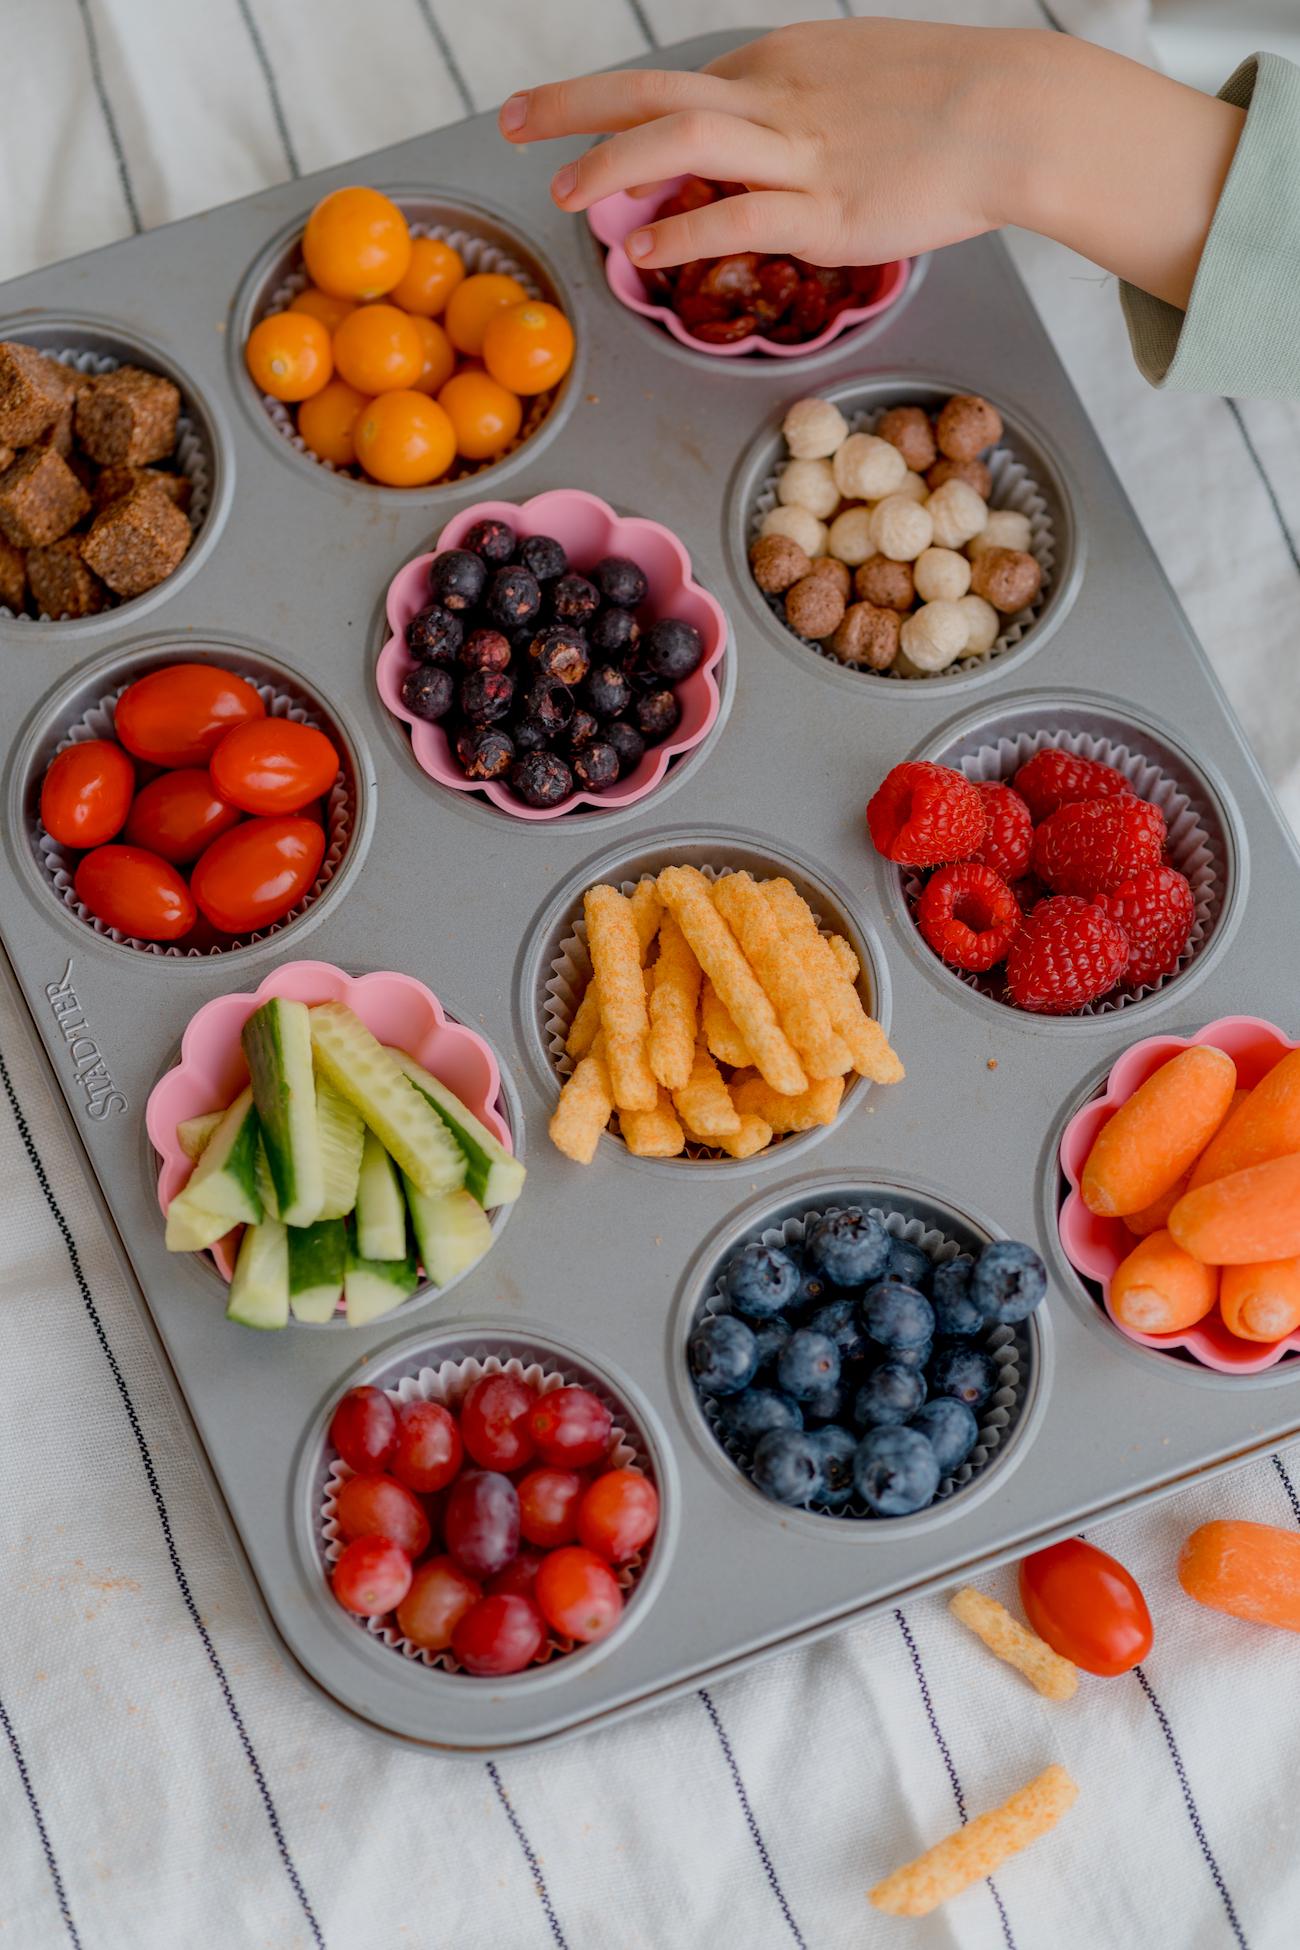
(613, 220)
(396, 1008)
(588, 528)
(1095, 1247)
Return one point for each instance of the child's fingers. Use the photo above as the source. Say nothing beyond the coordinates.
(595, 104)
(765, 220)
(698, 141)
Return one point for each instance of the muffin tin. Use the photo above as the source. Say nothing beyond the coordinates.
(601, 1270)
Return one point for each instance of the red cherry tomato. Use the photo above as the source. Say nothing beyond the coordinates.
(1086, 1606)
(133, 890)
(178, 815)
(494, 1421)
(379, 1506)
(481, 1521)
(363, 1428)
(257, 871)
(440, 1595)
(272, 765)
(427, 1451)
(86, 793)
(618, 1515)
(548, 1505)
(570, 1427)
(372, 1576)
(578, 1594)
(500, 1634)
(175, 716)
(520, 1574)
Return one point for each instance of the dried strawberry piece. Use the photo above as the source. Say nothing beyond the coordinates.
(968, 915)
(926, 815)
(726, 331)
(733, 279)
(1066, 954)
(808, 312)
(777, 283)
(864, 281)
(691, 276)
(1157, 911)
(1095, 845)
(696, 310)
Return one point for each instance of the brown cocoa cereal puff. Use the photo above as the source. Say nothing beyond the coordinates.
(40, 499)
(867, 635)
(777, 562)
(887, 584)
(114, 482)
(13, 576)
(975, 473)
(835, 572)
(31, 393)
(966, 426)
(1007, 578)
(61, 583)
(137, 541)
(908, 428)
(814, 607)
(127, 417)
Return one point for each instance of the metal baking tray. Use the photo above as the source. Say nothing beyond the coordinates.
(604, 1267)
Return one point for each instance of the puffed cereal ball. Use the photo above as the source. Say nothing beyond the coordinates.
(901, 528)
(1005, 528)
(983, 625)
(809, 484)
(966, 426)
(975, 473)
(777, 562)
(957, 512)
(1007, 578)
(836, 573)
(798, 525)
(941, 575)
(908, 428)
(933, 635)
(886, 584)
(867, 636)
(867, 468)
(914, 488)
(813, 429)
(814, 607)
(850, 536)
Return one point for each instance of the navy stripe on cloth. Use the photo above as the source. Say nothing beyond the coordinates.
(444, 48)
(756, 1833)
(1193, 1812)
(1284, 527)
(272, 85)
(1292, 1498)
(642, 20)
(47, 1849)
(945, 1754)
(530, 1857)
(110, 120)
(159, 1502)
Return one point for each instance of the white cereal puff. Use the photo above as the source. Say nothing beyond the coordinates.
(799, 525)
(983, 625)
(850, 537)
(958, 513)
(1005, 528)
(813, 429)
(900, 528)
(809, 484)
(934, 635)
(941, 575)
(867, 469)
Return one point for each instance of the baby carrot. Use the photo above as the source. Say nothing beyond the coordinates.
(1261, 1303)
(1251, 1215)
(1153, 1138)
(1266, 1125)
(1159, 1288)
(1251, 1570)
(1155, 1217)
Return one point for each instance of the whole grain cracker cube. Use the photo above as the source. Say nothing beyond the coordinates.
(137, 541)
(114, 482)
(127, 418)
(31, 393)
(13, 576)
(59, 432)
(40, 499)
(61, 583)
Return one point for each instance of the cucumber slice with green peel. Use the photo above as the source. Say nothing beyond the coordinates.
(407, 1125)
(192, 1133)
(265, 1184)
(222, 1188)
(491, 1173)
(277, 1044)
(342, 1135)
(451, 1230)
(259, 1291)
(317, 1259)
(373, 1287)
(381, 1210)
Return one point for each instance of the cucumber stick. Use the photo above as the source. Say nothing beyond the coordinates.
(381, 1209)
(361, 1069)
(341, 1134)
(259, 1291)
(277, 1044)
(193, 1134)
(222, 1188)
(491, 1173)
(373, 1287)
(317, 1258)
(451, 1230)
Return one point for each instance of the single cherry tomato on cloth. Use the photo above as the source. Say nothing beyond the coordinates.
(548, 1505)
(494, 1421)
(520, 1574)
(570, 1427)
(288, 355)
(618, 1515)
(363, 1429)
(177, 715)
(528, 347)
(427, 1449)
(578, 1594)
(257, 871)
(178, 815)
(372, 1576)
(86, 793)
(440, 1595)
(136, 892)
(380, 1506)
(273, 765)
(480, 1524)
(500, 1634)
(1086, 1606)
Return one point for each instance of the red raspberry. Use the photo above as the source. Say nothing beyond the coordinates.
(1028, 892)
(968, 915)
(1052, 779)
(1067, 953)
(924, 815)
(1009, 840)
(1098, 844)
(1157, 911)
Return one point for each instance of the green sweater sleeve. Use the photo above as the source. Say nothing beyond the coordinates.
(1240, 333)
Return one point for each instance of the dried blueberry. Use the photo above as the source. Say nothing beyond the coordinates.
(560, 651)
(434, 634)
(672, 649)
(596, 766)
(543, 557)
(428, 690)
(628, 743)
(615, 633)
(531, 735)
(484, 753)
(620, 581)
(552, 703)
(457, 578)
(574, 600)
(493, 540)
(608, 691)
(484, 650)
(584, 730)
(514, 598)
(541, 779)
(486, 696)
(657, 714)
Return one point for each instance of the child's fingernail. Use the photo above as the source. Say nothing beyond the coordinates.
(515, 112)
(640, 243)
(563, 181)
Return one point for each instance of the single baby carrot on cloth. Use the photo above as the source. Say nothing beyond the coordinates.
(1261, 1302)
(1154, 1137)
(1047, 1672)
(780, 969)
(616, 963)
(979, 1848)
(688, 896)
(674, 999)
(1160, 1289)
(1265, 1125)
(1251, 1215)
(1250, 1570)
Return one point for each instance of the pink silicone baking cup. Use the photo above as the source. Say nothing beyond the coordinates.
(587, 528)
(615, 217)
(396, 1008)
(1095, 1247)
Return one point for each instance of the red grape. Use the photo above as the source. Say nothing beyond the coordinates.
(372, 1576)
(481, 1521)
(440, 1594)
(520, 1574)
(500, 1634)
(379, 1506)
(428, 1449)
(494, 1422)
(618, 1515)
(548, 1505)
(363, 1428)
(578, 1594)
(570, 1427)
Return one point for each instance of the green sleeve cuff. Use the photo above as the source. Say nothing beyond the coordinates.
(1240, 333)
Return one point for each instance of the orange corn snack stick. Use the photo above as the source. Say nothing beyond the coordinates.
(1250, 1215)
(1250, 1570)
(688, 896)
(646, 910)
(720, 1032)
(786, 978)
(1261, 1303)
(653, 1133)
(1153, 1138)
(753, 1136)
(811, 1107)
(1160, 1289)
(1006, 1638)
(1266, 1125)
(674, 1000)
(704, 1102)
(583, 1111)
(849, 965)
(868, 1045)
(979, 1848)
(616, 963)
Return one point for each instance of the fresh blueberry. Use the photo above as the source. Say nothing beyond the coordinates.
(813, 1292)
(787, 1465)
(457, 578)
(434, 634)
(951, 1430)
(743, 1418)
(829, 1404)
(543, 557)
(574, 600)
(1008, 1282)
(848, 1248)
(912, 1357)
(955, 1311)
(608, 692)
(910, 1264)
(428, 691)
(840, 1320)
(596, 766)
(672, 649)
(897, 1316)
(889, 1394)
(807, 1363)
(628, 743)
(657, 713)
(770, 1336)
(895, 1471)
(760, 1280)
(541, 779)
(965, 1373)
(615, 633)
(485, 752)
(620, 581)
(493, 540)
(722, 1355)
(836, 1449)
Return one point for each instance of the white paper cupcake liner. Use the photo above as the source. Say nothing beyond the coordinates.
(96, 721)
(1189, 847)
(478, 255)
(449, 1383)
(1008, 1347)
(191, 457)
(1013, 488)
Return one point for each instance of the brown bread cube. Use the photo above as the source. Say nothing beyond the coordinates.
(114, 482)
(31, 393)
(61, 583)
(7, 457)
(59, 432)
(127, 418)
(137, 541)
(40, 499)
(13, 576)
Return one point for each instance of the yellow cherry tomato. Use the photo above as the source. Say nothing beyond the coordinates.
(439, 359)
(486, 415)
(431, 276)
(356, 244)
(327, 419)
(378, 349)
(320, 304)
(288, 355)
(404, 440)
(528, 347)
(473, 303)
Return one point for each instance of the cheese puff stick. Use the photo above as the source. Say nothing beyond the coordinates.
(804, 1112)
(849, 965)
(616, 962)
(782, 971)
(653, 1133)
(674, 1001)
(705, 1102)
(979, 1848)
(720, 1032)
(868, 1044)
(753, 1136)
(1047, 1672)
(583, 1110)
(687, 893)
(646, 910)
